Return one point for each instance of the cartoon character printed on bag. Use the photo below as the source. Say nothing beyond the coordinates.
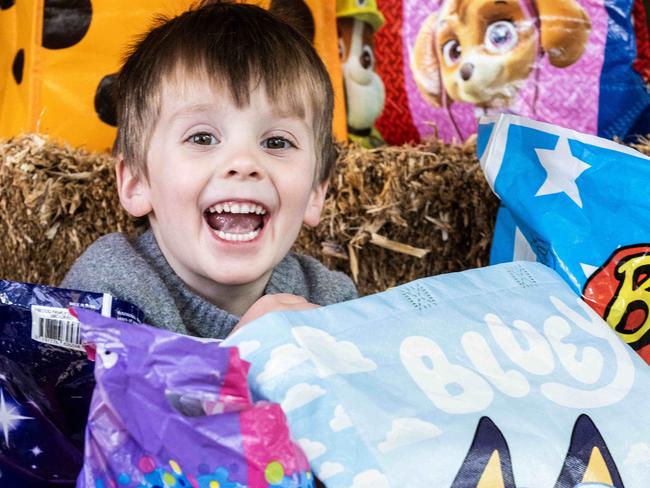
(482, 52)
(619, 291)
(587, 464)
(357, 21)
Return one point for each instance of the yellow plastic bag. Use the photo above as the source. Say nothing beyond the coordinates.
(60, 56)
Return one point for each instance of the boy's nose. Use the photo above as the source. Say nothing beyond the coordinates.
(253, 173)
(243, 166)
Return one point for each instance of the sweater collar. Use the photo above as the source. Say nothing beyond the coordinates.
(208, 319)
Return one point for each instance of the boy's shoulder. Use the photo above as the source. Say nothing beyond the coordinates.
(306, 276)
(99, 265)
(122, 267)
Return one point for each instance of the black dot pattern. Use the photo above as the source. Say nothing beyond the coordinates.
(5, 4)
(296, 13)
(104, 101)
(18, 66)
(65, 22)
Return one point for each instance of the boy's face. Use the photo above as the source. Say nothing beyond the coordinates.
(228, 188)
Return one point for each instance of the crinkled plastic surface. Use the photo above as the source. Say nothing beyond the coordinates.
(495, 377)
(173, 410)
(45, 388)
(59, 61)
(578, 204)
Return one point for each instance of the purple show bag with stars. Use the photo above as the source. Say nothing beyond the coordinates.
(46, 382)
(578, 204)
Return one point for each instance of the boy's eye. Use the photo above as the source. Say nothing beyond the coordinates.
(277, 143)
(202, 139)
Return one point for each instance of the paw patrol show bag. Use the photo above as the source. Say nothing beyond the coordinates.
(577, 203)
(499, 377)
(445, 63)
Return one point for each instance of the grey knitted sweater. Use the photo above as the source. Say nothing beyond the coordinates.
(136, 271)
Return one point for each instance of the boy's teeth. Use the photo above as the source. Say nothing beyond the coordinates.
(238, 208)
(249, 236)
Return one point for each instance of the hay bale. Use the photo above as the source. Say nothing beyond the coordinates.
(55, 202)
(393, 214)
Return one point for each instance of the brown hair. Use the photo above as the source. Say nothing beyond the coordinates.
(239, 45)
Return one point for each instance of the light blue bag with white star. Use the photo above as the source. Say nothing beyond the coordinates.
(579, 204)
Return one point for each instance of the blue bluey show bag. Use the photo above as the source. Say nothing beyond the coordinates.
(497, 377)
(579, 204)
(46, 382)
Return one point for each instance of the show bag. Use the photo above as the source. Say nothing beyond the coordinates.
(498, 376)
(171, 410)
(46, 382)
(60, 59)
(577, 203)
(444, 63)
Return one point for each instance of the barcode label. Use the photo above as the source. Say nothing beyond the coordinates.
(56, 326)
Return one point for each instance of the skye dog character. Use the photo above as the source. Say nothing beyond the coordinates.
(482, 51)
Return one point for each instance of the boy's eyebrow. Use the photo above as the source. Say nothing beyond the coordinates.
(193, 109)
(277, 110)
(285, 112)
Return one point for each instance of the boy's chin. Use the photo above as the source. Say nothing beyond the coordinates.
(236, 281)
(239, 277)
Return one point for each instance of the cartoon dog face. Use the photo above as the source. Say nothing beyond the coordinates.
(364, 89)
(482, 51)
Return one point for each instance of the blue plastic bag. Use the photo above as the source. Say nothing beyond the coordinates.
(577, 203)
(46, 382)
(498, 377)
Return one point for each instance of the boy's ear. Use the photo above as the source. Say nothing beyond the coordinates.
(315, 204)
(133, 189)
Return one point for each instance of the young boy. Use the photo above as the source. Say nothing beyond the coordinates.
(225, 144)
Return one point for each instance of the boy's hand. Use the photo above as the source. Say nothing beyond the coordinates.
(273, 303)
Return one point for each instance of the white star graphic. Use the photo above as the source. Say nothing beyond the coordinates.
(8, 417)
(562, 171)
(36, 451)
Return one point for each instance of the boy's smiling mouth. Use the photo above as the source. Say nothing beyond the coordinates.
(236, 221)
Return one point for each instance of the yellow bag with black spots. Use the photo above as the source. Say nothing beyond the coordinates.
(60, 58)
